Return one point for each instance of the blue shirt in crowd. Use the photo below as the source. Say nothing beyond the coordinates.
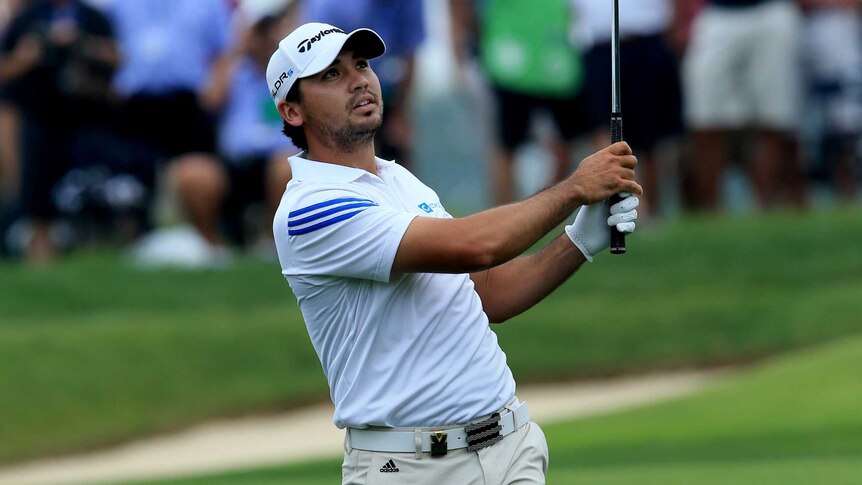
(168, 45)
(401, 24)
(250, 126)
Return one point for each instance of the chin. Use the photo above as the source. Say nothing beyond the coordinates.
(372, 120)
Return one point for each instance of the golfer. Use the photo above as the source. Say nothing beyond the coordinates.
(397, 295)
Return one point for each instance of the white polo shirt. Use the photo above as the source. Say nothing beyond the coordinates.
(398, 350)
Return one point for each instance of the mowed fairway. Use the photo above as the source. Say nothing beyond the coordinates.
(792, 420)
(797, 419)
(94, 351)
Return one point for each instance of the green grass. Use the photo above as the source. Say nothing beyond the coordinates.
(699, 292)
(795, 420)
(94, 351)
(798, 419)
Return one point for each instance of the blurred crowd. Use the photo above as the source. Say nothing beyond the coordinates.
(118, 115)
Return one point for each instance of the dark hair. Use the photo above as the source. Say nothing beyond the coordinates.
(295, 133)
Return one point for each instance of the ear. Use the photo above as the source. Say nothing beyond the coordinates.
(291, 112)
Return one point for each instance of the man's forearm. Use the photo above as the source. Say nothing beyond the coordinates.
(495, 236)
(486, 239)
(514, 228)
(512, 288)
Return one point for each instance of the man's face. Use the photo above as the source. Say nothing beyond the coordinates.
(342, 104)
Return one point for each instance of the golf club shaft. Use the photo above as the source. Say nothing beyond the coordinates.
(618, 239)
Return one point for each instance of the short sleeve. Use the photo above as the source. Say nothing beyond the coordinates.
(338, 232)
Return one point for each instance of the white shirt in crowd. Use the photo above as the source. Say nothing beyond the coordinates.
(637, 17)
(398, 350)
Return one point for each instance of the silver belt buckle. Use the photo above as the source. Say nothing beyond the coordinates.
(484, 433)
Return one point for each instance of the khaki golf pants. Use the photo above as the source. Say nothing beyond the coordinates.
(520, 458)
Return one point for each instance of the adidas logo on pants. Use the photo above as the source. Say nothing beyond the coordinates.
(389, 467)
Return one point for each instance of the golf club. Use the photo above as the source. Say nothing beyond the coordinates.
(618, 239)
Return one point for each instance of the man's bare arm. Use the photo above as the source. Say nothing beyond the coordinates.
(514, 287)
(495, 236)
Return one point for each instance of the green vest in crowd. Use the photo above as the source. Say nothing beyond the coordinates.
(526, 47)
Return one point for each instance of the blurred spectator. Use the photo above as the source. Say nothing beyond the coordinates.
(651, 92)
(684, 14)
(527, 52)
(402, 24)
(9, 132)
(833, 48)
(170, 48)
(9, 164)
(743, 72)
(9, 160)
(58, 57)
(8, 9)
(250, 138)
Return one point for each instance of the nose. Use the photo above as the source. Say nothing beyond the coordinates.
(358, 80)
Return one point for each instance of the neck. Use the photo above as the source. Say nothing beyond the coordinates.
(361, 157)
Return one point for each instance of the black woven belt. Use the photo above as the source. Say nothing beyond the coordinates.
(484, 434)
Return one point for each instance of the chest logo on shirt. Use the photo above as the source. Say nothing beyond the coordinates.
(430, 208)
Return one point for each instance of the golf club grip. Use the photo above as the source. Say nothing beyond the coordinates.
(618, 239)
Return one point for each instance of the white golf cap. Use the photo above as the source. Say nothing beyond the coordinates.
(310, 49)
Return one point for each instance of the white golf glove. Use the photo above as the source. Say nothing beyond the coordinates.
(590, 231)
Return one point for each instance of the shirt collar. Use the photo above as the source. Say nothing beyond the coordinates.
(306, 169)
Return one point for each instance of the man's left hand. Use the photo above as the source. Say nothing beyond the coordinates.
(590, 231)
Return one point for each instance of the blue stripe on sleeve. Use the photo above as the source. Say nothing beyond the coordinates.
(327, 203)
(321, 225)
(314, 217)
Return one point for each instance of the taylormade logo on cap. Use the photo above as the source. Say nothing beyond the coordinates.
(305, 45)
(310, 49)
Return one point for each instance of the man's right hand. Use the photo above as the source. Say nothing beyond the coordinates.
(605, 173)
